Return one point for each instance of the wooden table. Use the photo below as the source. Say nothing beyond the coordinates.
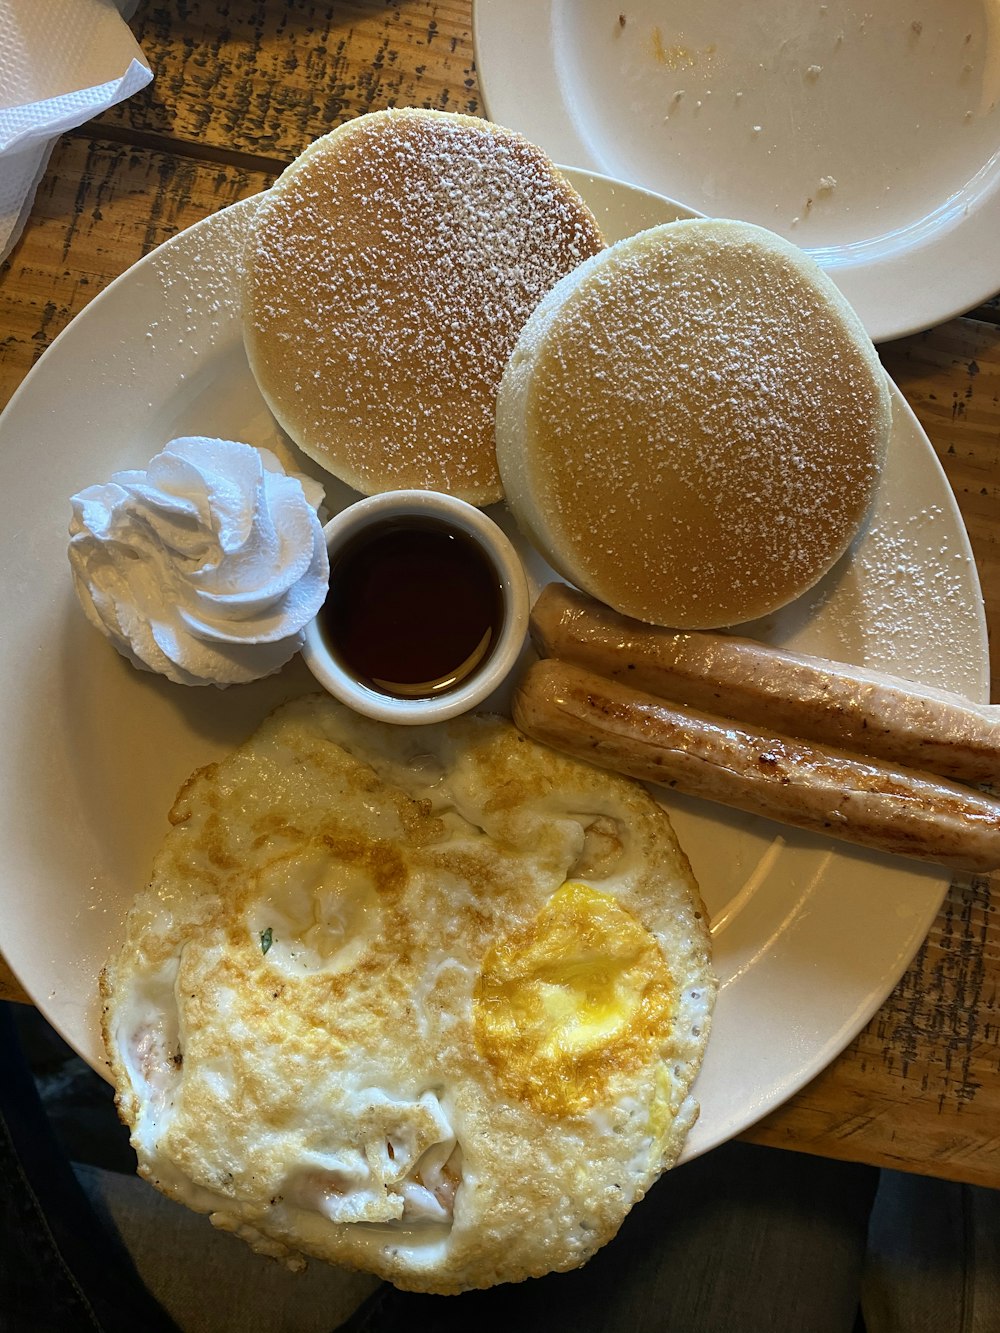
(241, 87)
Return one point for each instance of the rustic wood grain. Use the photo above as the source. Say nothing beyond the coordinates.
(919, 1088)
(268, 78)
(241, 86)
(10, 987)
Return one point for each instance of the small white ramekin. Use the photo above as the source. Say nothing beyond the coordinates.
(514, 591)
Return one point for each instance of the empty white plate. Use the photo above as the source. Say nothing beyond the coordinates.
(867, 134)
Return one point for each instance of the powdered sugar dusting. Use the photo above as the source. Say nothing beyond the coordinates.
(389, 274)
(203, 290)
(904, 573)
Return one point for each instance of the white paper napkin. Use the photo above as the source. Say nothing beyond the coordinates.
(61, 62)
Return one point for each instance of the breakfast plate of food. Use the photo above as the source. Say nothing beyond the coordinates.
(867, 136)
(167, 894)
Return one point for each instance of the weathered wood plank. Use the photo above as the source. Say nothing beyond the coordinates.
(254, 76)
(919, 1089)
(241, 86)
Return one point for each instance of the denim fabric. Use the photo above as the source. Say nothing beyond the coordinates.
(209, 1281)
(59, 1271)
(933, 1260)
(745, 1239)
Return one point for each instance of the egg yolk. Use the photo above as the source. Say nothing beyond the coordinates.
(577, 995)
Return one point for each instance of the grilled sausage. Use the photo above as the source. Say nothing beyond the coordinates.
(810, 786)
(847, 707)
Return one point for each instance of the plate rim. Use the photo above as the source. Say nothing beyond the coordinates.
(836, 1042)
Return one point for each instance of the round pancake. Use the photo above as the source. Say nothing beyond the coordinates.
(388, 273)
(427, 1002)
(693, 423)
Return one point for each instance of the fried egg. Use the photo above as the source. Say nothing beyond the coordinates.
(427, 1002)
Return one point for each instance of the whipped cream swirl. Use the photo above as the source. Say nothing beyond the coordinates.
(207, 566)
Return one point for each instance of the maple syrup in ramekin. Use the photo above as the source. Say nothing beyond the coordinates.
(415, 606)
(427, 613)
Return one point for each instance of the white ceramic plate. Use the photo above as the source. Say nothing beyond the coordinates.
(810, 937)
(869, 134)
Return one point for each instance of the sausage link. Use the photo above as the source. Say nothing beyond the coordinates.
(850, 708)
(810, 786)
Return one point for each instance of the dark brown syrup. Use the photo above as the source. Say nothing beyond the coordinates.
(414, 609)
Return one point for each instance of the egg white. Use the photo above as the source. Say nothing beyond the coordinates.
(423, 1001)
